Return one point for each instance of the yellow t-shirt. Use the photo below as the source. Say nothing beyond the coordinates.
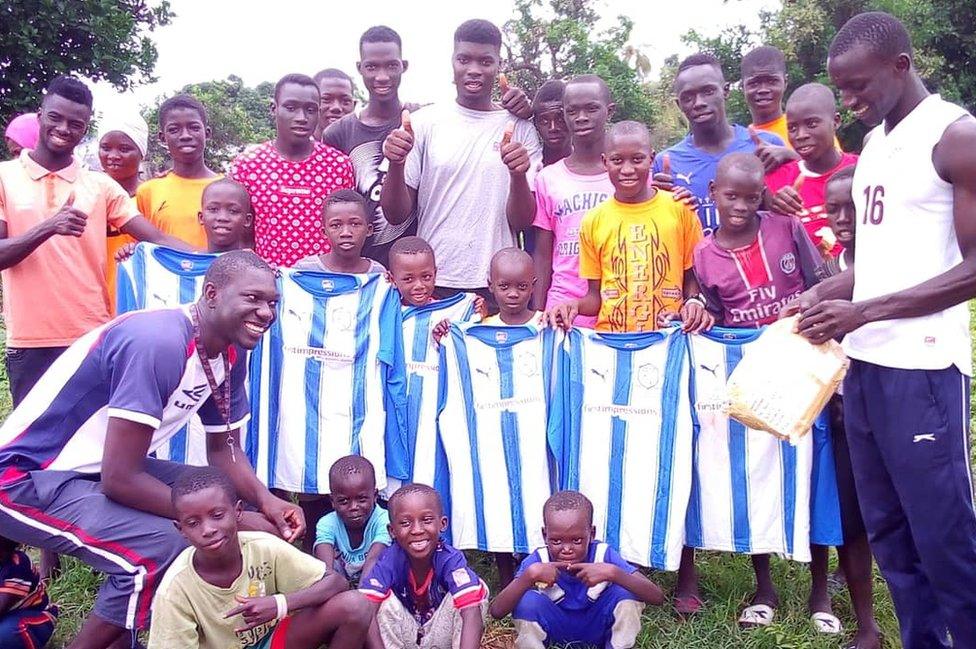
(639, 252)
(778, 127)
(172, 204)
(189, 612)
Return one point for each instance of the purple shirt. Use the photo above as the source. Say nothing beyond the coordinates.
(450, 576)
(748, 286)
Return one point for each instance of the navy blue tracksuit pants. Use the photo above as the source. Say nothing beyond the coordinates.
(908, 432)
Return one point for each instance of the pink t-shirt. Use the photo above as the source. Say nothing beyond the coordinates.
(811, 191)
(287, 196)
(562, 198)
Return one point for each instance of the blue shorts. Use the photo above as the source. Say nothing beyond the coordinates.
(591, 625)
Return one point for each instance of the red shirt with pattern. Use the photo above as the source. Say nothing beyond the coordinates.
(287, 197)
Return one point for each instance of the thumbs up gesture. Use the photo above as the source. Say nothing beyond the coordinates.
(772, 156)
(514, 100)
(514, 154)
(787, 199)
(68, 220)
(399, 142)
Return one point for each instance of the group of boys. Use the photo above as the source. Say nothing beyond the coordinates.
(624, 241)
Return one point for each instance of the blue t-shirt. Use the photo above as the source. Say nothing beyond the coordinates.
(569, 592)
(450, 575)
(330, 529)
(693, 168)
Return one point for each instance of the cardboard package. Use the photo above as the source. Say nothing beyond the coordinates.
(784, 381)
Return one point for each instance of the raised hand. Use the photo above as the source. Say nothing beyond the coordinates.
(663, 179)
(772, 156)
(787, 199)
(68, 220)
(399, 142)
(514, 100)
(514, 154)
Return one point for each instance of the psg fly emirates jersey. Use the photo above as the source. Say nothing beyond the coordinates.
(156, 277)
(422, 358)
(329, 381)
(627, 438)
(752, 493)
(496, 387)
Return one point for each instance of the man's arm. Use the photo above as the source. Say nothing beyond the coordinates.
(397, 198)
(67, 221)
(124, 477)
(520, 207)
(325, 552)
(139, 228)
(542, 259)
(285, 516)
(562, 315)
(955, 161)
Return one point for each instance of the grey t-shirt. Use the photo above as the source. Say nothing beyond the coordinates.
(462, 187)
(364, 146)
(314, 262)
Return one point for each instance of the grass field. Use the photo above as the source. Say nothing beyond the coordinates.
(726, 587)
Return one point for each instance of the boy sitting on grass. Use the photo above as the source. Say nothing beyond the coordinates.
(26, 616)
(422, 590)
(346, 225)
(576, 590)
(246, 589)
(351, 538)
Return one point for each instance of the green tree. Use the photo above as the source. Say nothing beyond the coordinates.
(943, 34)
(100, 39)
(563, 40)
(237, 114)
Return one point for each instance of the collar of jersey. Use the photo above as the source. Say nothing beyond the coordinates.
(731, 336)
(501, 335)
(186, 264)
(329, 284)
(631, 341)
(436, 305)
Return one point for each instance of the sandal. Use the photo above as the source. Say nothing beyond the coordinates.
(826, 623)
(757, 615)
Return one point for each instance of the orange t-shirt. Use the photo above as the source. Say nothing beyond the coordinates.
(172, 204)
(115, 242)
(59, 292)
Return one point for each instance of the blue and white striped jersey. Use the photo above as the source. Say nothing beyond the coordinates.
(627, 438)
(422, 357)
(496, 384)
(156, 277)
(751, 491)
(329, 381)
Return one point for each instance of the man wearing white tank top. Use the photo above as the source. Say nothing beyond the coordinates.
(903, 310)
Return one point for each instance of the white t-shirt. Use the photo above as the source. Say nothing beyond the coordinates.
(462, 187)
(905, 236)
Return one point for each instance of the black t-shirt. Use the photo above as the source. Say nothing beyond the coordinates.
(364, 146)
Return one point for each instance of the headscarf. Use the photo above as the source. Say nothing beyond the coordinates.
(130, 123)
(24, 130)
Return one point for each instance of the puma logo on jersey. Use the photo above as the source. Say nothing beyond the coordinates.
(712, 370)
(684, 177)
(924, 437)
(484, 373)
(161, 300)
(602, 375)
